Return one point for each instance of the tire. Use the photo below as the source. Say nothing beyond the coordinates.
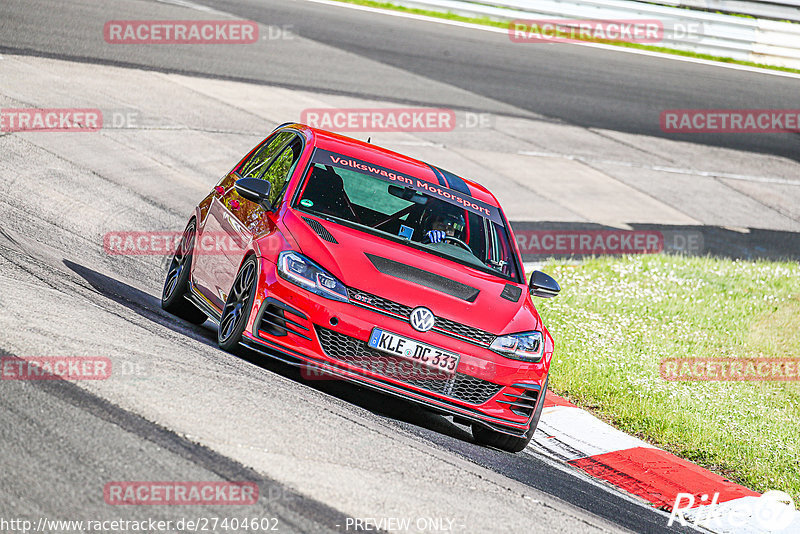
(498, 440)
(238, 305)
(176, 285)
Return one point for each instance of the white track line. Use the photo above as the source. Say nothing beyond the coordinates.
(190, 5)
(613, 48)
(661, 168)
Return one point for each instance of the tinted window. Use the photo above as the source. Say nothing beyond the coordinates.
(255, 166)
(278, 171)
(383, 208)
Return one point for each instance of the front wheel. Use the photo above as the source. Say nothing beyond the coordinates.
(498, 440)
(238, 305)
(176, 284)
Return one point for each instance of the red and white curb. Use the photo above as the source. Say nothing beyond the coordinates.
(691, 494)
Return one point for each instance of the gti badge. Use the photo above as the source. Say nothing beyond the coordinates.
(422, 319)
(362, 298)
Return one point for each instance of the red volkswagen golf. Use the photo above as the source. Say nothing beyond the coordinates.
(359, 263)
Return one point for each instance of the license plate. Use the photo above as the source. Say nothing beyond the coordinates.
(414, 351)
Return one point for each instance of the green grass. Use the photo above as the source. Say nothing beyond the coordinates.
(486, 21)
(617, 318)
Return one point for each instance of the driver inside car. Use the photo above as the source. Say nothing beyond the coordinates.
(447, 224)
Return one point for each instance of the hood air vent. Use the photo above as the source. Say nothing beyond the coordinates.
(511, 292)
(320, 230)
(424, 278)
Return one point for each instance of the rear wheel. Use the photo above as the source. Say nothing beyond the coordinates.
(177, 283)
(238, 305)
(498, 440)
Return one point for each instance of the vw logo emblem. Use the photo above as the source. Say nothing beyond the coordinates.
(422, 319)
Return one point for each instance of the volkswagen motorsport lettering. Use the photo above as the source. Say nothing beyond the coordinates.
(445, 193)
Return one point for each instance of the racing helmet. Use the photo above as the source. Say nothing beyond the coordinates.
(449, 219)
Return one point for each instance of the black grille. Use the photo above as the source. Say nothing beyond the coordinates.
(473, 390)
(442, 325)
(356, 352)
(379, 302)
(523, 404)
(462, 330)
(320, 230)
(272, 320)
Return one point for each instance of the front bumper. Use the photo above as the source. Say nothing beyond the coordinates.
(327, 339)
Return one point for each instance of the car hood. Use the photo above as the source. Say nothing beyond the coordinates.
(414, 278)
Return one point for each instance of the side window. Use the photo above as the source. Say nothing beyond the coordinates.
(499, 253)
(278, 172)
(255, 166)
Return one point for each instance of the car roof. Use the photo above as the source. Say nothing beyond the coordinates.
(376, 155)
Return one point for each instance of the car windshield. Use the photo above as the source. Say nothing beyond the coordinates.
(419, 214)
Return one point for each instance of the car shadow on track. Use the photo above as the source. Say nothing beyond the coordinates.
(380, 404)
(148, 307)
(140, 302)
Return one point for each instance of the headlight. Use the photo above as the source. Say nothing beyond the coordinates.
(300, 270)
(526, 346)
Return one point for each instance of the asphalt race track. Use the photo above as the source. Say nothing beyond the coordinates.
(322, 452)
(576, 85)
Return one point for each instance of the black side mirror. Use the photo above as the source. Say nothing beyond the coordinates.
(543, 285)
(254, 190)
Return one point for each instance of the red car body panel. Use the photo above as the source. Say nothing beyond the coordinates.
(284, 228)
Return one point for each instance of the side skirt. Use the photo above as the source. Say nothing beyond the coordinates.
(197, 299)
